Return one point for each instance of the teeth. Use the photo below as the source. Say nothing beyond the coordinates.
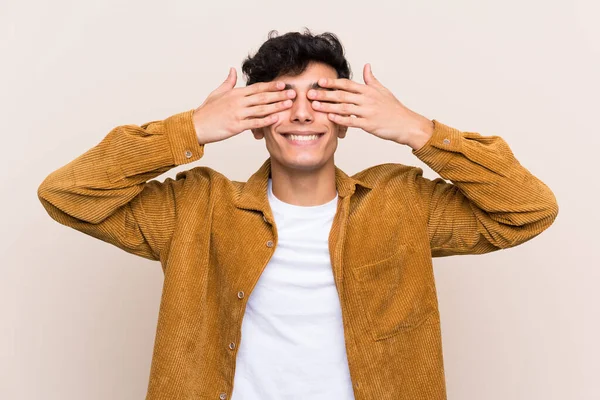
(302, 137)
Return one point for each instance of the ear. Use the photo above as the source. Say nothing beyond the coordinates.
(258, 133)
(342, 130)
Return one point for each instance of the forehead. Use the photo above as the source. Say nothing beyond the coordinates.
(309, 77)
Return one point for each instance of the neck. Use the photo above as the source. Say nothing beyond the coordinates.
(304, 188)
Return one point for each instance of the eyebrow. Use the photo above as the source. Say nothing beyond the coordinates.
(314, 85)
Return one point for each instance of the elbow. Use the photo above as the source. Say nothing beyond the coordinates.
(547, 217)
(544, 218)
(46, 188)
(42, 190)
(551, 209)
(46, 195)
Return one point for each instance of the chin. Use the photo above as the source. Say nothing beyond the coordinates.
(303, 163)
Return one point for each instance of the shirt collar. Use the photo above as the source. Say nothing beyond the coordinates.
(254, 192)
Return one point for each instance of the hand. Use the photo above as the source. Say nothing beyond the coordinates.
(227, 112)
(371, 107)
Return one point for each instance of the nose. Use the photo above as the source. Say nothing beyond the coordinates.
(301, 110)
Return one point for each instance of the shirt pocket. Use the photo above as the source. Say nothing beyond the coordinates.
(396, 293)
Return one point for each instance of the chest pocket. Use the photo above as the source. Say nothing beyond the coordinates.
(396, 293)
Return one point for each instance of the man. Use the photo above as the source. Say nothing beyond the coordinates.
(304, 282)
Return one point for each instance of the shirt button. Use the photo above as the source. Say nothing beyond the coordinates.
(232, 345)
(240, 294)
(270, 243)
(223, 396)
(188, 154)
(446, 141)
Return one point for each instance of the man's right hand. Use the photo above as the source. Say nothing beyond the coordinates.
(228, 111)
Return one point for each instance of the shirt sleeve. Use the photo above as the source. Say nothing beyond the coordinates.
(491, 202)
(107, 192)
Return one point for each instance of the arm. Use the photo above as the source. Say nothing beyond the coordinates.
(106, 192)
(492, 203)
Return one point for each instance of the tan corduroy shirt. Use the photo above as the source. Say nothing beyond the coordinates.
(214, 236)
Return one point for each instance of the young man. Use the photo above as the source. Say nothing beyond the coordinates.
(304, 282)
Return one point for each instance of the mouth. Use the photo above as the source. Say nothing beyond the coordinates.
(303, 139)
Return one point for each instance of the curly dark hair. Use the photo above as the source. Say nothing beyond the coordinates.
(291, 53)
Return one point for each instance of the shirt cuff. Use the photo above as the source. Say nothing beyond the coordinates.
(439, 149)
(181, 134)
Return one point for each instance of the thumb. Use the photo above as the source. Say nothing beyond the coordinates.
(368, 76)
(229, 82)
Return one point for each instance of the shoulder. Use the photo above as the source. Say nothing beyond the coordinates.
(383, 175)
(208, 178)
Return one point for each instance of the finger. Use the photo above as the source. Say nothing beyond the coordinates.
(342, 109)
(355, 122)
(338, 96)
(345, 84)
(368, 76)
(255, 123)
(229, 82)
(265, 109)
(268, 97)
(259, 87)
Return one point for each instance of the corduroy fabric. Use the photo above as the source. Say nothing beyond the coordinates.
(214, 236)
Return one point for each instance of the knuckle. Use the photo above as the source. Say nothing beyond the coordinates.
(254, 88)
(267, 86)
(232, 127)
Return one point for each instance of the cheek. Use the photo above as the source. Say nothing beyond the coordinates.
(323, 119)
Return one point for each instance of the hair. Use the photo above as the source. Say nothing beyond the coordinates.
(291, 54)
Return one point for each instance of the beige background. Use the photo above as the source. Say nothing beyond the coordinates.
(78, 316)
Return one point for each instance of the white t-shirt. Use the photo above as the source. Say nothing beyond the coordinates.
(292, 344)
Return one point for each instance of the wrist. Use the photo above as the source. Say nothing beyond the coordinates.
(421, 134)
(198, 128)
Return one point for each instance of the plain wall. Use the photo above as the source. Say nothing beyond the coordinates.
(78, 316)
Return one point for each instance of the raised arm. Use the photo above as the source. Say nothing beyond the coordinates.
(107, 192)
(492, 201)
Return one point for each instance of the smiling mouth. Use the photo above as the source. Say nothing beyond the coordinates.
(300, 139)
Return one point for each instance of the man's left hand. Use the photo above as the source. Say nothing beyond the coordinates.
(372, 108)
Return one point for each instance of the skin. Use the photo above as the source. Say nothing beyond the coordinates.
(319, 101)
(303, 175)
